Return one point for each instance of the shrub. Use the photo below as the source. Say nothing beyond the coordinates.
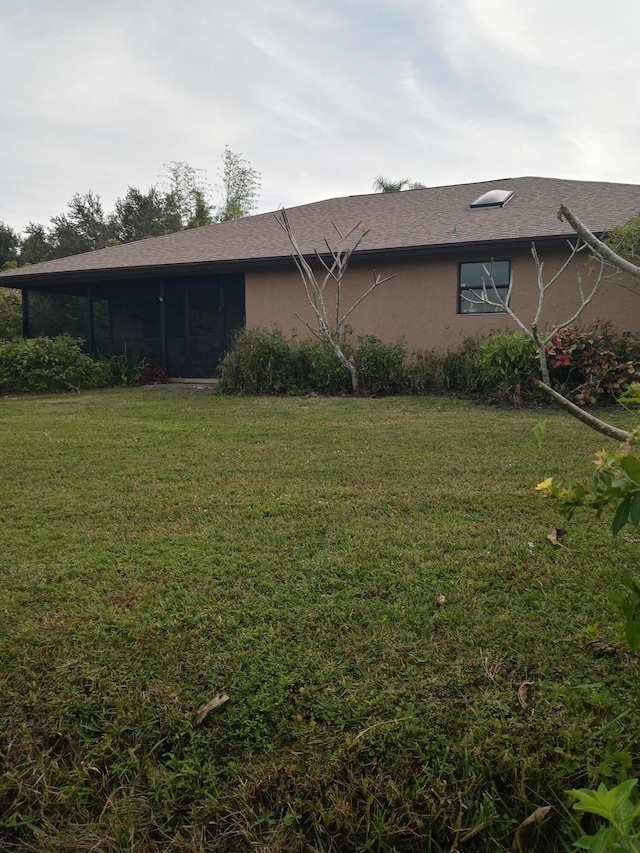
(318, 369)
(507, 364)
(10, 314)
(125, 369)
(460, 368)
(153, 374)
(265, 362)
(455, 370)
(593, 365)
(380, 366)
(259, 363)
(45, 364)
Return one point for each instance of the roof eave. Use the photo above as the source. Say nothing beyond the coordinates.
(23, 280)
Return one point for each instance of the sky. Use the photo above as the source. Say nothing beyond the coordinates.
(320, 96)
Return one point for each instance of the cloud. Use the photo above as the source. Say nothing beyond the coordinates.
(320, 98)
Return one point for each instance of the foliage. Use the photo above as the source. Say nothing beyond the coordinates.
(126, 368)
(380, 365)
(160, 547)
(139, 215)
(615, 483)
(507, 363)
(35, 246)
(44, 364)
(588, 366)
(182, 201)
(259, 363)
(10, 314)
(594, 364)
(239, 186)
(83, 228)
(384, 185)
(9, 246)
(191, 192)
(153, 374)
(263, 361)
(620, 808)
(625, 240)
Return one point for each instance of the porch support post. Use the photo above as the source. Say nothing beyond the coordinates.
(25, 313)
(91, 343)
(163, 326)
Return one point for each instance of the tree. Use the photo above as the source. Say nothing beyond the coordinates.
(384, 185)
(9, 246)
(190, 192)
(84, 228)
(327, 307)
(625, 240)
(239, 185)
(140, 215)
(602, 254)
(35, 246)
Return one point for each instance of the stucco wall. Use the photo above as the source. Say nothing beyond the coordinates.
(421, 303)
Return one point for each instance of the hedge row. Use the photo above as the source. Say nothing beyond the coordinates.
(588, 365)
(58, 364)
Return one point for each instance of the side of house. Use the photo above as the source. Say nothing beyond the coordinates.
(179, 299)
(425, 305)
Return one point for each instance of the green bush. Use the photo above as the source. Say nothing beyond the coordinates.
(589, 366)
(318, 369)
(124, 369)
(455, 370)
(10, 314)
(45, 364)
(259, 363)
(263, 361)
(507, 364)
(381, 367)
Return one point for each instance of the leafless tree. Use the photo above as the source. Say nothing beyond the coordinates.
(602, 255)
(326, 304)
(490, 295)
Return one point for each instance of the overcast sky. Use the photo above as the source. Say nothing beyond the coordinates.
(320, 96)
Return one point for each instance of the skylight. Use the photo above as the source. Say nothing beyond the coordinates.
(493, 198)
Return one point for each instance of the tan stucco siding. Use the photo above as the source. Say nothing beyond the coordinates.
(420, 304)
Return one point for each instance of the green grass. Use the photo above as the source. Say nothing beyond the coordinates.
(158, 547)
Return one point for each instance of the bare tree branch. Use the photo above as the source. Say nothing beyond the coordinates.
(532, 332)
(597, 246)
(586, 417)
(333, 334)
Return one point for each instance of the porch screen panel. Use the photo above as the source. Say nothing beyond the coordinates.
(176, 328)
(134, 319)
(54, 314)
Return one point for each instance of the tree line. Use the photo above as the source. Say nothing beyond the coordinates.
(182, 199)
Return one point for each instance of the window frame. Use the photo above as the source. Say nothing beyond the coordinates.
(503, 289)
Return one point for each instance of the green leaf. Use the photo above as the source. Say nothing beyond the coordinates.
(631, 466)
(621, 516)
(601, 842)
(594, 802)
(634, 509)
(621, 793)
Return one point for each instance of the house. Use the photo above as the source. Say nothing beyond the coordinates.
(178, 299)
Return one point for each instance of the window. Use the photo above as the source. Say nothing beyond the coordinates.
(494, 274)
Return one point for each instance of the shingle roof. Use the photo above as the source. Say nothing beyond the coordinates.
(425, 219)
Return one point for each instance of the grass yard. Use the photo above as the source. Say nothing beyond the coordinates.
(159, 547)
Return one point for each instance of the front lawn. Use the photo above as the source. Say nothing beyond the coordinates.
(160, 547)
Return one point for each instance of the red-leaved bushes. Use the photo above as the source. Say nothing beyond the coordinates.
(593, 365)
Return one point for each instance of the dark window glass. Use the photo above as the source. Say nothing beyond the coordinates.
(472, 297)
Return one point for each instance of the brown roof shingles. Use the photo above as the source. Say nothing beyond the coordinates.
(426, 218)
